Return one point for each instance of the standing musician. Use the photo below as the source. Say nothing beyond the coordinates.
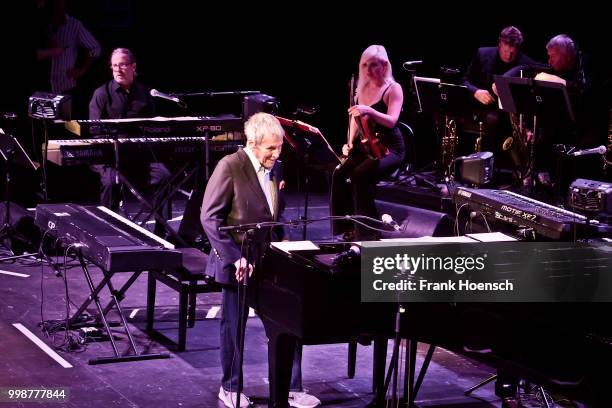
(375, 147)
(244, 188)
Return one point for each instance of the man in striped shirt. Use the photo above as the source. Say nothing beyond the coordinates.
(68, 38)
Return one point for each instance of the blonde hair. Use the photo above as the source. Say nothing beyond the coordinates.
(380, 53)
(260, 125)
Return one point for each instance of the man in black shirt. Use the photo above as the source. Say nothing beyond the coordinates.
(487, 62)
(123, 97)
(573, 69)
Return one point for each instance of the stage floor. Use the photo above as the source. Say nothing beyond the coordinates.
(31, 292)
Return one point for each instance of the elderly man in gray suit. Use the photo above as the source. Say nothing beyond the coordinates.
(244, 188)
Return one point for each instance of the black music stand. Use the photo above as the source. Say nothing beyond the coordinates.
(445, 101)
(312, 151)
(13, 153)
(544, 100)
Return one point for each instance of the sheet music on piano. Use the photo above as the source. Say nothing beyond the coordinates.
(287, 246)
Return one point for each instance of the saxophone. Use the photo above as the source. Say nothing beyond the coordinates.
(478, 142)
(518, 147)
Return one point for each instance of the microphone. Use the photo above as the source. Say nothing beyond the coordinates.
(595, 150)
(352, 252)
(387, 219)
(410, 63)
(156, 94)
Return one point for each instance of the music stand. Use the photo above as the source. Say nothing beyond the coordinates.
(312, 150)
(13, 153)
(444, 101)
(544, 100)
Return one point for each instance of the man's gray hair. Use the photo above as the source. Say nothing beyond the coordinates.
(563, 43)
(260, 125)
(125, 51)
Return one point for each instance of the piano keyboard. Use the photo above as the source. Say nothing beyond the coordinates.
(70, 152)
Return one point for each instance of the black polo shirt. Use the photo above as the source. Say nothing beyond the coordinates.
(111, 101)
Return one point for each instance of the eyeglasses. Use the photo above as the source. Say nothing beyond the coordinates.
(121, 66)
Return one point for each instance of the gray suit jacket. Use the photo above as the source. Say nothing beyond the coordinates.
(234, 196)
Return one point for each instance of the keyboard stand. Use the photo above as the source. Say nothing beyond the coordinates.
(145, 205)
(116, 297)
(163, 196)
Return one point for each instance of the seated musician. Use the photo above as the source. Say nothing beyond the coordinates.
(378, 103)
(569, 67)
(244, 188)
(123, 97)
(489, 61)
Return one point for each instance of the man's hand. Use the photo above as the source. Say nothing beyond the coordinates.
(241, 267)
(483, 96)
(158, 172)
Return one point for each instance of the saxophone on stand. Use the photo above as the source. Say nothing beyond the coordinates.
(519, 147)
(449, 145)
(478, 143)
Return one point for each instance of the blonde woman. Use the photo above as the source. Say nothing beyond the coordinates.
(374, 115)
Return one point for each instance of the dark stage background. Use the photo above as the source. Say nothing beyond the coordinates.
(299, 53)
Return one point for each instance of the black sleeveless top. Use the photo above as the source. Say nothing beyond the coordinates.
(390, 137)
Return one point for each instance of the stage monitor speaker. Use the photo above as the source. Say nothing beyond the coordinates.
(477, 168)
(416, 222)
(21, 223)
(591, 196)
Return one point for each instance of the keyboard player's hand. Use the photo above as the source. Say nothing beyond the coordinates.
(241, 266)
(158, 173)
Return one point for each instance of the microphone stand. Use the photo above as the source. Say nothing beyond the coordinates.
(249, 231)
(292, 223)
(44, 183)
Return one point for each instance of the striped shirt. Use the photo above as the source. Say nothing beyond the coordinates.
(71, 35)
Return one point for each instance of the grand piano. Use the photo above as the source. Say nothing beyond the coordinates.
(302, 296)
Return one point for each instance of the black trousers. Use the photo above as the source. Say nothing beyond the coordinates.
(354, 188)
